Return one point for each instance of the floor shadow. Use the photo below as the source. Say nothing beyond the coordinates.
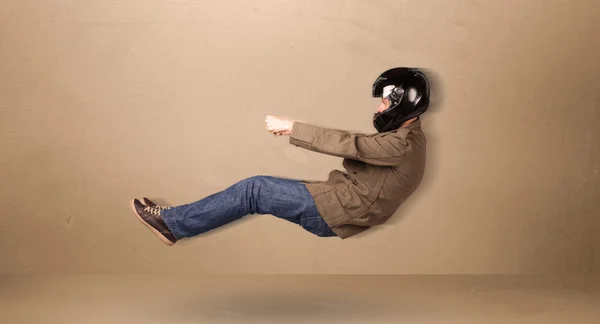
(280, 307)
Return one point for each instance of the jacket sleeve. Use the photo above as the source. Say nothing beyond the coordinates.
(384, 149)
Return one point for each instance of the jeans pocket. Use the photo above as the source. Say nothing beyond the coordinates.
(317, 226)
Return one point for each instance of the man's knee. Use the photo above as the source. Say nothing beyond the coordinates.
(254, 181)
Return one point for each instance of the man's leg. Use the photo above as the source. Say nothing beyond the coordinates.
(283, 198)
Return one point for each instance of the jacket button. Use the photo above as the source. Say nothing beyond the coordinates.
(355, 172)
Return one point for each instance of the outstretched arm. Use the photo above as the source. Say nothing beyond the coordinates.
(384, 149)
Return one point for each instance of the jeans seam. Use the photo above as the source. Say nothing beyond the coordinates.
(303, 220)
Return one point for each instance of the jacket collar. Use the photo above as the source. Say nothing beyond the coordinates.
(403, 131)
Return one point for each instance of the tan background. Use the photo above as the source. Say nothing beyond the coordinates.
(102, 101)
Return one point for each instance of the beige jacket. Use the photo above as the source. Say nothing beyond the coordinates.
(382, 171)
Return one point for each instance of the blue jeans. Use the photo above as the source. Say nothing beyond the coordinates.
(283, 198)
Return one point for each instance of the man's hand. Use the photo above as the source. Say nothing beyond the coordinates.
(278, 125)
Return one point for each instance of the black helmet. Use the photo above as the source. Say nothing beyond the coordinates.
(408, 92)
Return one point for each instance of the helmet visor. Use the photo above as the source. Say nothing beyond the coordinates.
(391, 98)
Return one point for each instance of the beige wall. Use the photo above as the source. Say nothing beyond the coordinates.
(102, 101)
(594, 236)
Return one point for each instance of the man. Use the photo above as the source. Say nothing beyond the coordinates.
(382, 171)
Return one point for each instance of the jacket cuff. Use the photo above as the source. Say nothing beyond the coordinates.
(302, 134)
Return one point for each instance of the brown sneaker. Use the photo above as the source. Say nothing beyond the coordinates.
(150, 216)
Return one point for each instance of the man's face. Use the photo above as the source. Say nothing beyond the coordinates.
(385, 104)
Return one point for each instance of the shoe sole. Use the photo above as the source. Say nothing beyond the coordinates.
(157, 233)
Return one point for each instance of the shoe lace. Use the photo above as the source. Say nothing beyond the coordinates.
(153, 210)
(162, 207)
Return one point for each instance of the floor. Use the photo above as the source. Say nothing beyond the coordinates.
(298, 299)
